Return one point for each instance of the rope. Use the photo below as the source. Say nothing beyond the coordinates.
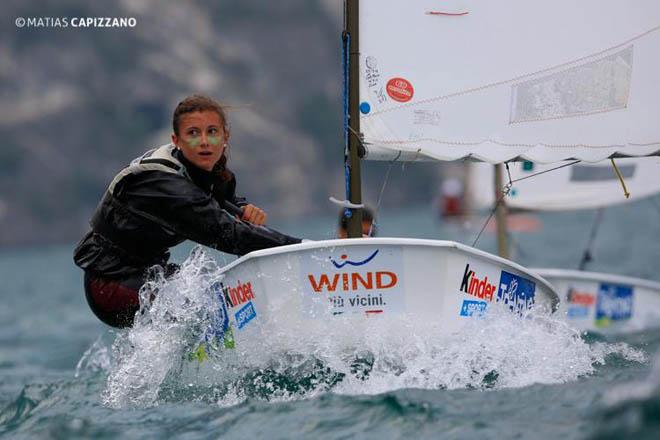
(542, 172)
(382, 191)
(587, 256)
(623, 183)
(521, 254)
(505, 192)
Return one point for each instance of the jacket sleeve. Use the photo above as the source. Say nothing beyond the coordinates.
(180, 206)
(227, 191)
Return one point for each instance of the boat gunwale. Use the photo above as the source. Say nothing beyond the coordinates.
(596, 276)
(319, 244)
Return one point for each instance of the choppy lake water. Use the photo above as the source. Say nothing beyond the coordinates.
(64, 375)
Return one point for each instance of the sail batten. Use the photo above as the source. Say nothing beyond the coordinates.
(461, 88)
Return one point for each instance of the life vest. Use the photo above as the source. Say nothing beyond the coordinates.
(157, 159)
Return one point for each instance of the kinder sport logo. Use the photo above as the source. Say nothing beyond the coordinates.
(477, 286)
(242, 293)
(353, 263)
(514, 291)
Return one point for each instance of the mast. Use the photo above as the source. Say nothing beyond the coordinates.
(351, 44)
(500, 214)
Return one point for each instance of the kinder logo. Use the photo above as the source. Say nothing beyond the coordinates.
(580, 298)
(516, 292)
(238, 295)
(353, 281)
(400, 89)
(475, 286)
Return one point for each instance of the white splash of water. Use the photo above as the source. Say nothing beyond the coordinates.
(172, 310)
(96, 358)
(283, 359)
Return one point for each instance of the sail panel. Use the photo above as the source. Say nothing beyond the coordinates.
(579, 186)
(509, 80)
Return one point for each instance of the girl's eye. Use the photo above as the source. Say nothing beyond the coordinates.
(213, 131)
(193, 133)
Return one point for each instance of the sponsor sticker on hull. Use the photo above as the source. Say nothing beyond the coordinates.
(614, 304)
(355, 279)
(516, 291)
(580, 303)
(473, 308)
(245, 315)
(477, 282)
(239, 295)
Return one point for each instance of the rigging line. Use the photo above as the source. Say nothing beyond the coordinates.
(545, 171)
(505, 192)
(587, 256)
(521, 253)
(508, 172)
(382, 191)
(618, 174)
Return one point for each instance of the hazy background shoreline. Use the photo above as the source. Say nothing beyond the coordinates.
(76, 105)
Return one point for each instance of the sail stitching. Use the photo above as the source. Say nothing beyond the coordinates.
(462, 143)
(516, 79)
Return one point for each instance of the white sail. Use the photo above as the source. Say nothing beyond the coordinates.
(511, 79)
(580, 186)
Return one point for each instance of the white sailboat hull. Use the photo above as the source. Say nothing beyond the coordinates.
(604, 303)
(310, 284)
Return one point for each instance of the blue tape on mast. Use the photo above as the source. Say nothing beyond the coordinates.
(346, 79)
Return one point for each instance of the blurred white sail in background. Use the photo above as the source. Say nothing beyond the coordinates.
(580, 186)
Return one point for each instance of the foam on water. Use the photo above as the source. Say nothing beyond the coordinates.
(291, 359)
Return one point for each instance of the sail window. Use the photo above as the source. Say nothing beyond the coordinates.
(594, 87)
(581, 173)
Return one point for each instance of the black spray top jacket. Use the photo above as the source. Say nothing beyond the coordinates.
(157, 202)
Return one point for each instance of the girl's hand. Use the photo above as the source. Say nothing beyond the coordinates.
(253, 214)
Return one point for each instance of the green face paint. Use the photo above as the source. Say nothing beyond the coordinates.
(215, 140)
(194, 141)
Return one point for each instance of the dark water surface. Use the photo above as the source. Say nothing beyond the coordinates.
(583, 387)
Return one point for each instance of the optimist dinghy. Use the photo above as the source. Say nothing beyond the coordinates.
(439, 282)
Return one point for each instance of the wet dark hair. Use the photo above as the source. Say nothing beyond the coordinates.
(367, 215)
(200, 103)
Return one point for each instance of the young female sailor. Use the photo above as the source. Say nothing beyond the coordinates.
(170, 194)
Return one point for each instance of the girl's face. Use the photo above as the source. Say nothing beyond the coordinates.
(202, 138)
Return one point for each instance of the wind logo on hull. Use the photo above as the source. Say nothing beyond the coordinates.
(353, 263)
